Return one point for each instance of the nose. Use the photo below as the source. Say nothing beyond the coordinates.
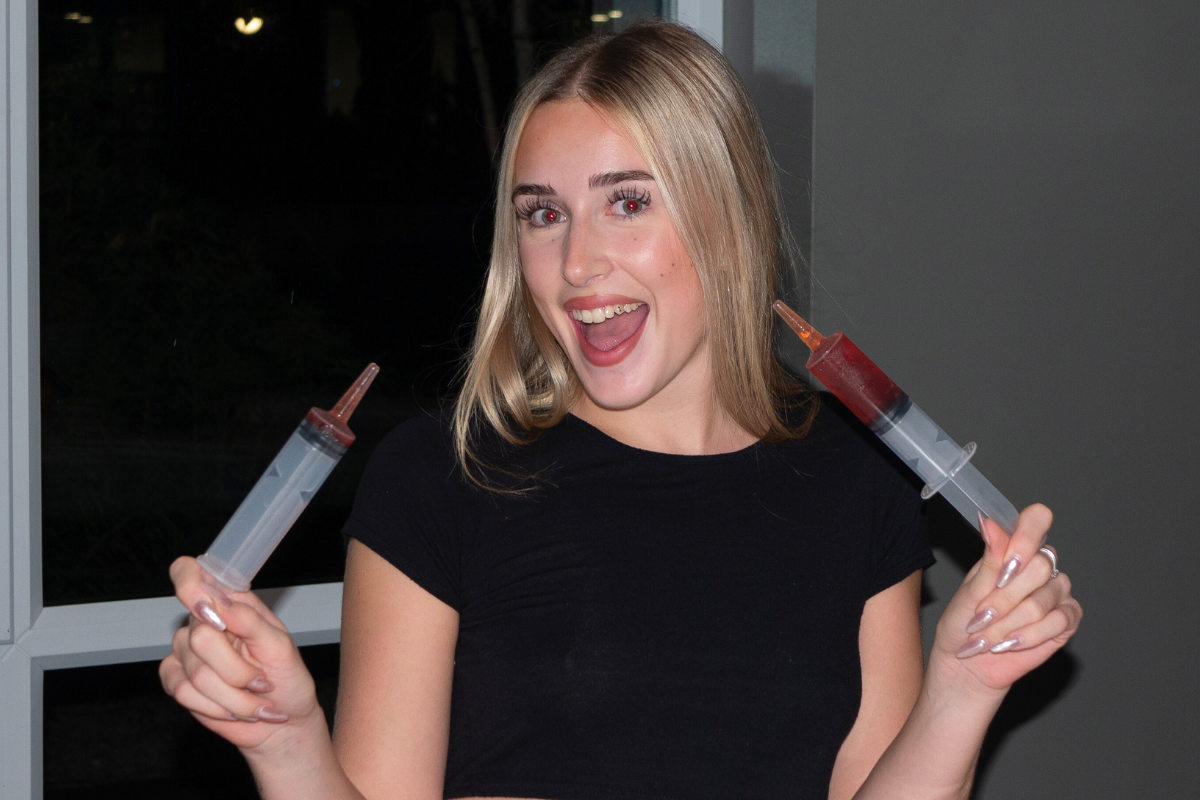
(583, 259)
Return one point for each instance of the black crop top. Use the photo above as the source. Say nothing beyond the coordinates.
(649, 625)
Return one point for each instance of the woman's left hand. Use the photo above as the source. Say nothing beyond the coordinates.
(1011, 612)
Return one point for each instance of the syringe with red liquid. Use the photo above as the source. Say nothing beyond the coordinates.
(919, 442)
(283, 492)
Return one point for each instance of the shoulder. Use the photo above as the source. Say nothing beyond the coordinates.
(420, 440)
(852, 465)
(415, 462)
(837, 435)
(413, 506)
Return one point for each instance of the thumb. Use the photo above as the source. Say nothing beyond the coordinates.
(995, 545)
(261, 641)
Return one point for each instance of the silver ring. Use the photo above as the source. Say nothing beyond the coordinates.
(1049, 553)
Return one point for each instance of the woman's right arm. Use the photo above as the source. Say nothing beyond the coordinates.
(393, 707)
(394, 689)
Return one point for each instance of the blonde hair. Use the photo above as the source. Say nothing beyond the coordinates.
(684, 107)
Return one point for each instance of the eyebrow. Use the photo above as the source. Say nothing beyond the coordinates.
(539, 189)
(613, 178)
(596, 181)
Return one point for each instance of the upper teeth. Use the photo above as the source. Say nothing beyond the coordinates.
(603, 313)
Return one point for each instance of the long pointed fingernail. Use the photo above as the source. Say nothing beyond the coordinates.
(204, 610)
(981, 620)
(259, 684)
(983, 530)
(972, 648)
(270, 714)
(1010, 569)
(1007, 644)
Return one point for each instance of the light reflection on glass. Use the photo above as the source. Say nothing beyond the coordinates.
(253, 26)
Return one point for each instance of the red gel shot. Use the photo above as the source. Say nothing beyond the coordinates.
(853, 378)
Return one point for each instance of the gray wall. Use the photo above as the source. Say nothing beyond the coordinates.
(1007, 219)
(772, 44)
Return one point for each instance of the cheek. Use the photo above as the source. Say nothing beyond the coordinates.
(533, 270)
(543, 288)
(679, 274)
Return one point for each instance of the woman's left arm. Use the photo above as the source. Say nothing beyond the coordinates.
(889, 647)
(1010, 614)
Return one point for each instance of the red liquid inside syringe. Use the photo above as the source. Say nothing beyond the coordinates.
(854, 379)
(845, 370)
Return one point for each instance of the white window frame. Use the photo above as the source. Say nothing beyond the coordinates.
(706, 17)
(34, 639)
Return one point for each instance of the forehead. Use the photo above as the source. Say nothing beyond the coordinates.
(566, 142)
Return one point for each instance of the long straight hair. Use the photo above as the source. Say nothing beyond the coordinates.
(684, 107)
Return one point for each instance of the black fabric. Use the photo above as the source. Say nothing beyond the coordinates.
(649, 625)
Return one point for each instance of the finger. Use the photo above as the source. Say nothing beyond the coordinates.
(215, 649)
(198, 597)
(240, 703)
(249, 598)
(1026, 611)
(260, 637)
(982, 577)
(999, 603)
(1057, 626)
(176, 684)
(1032, 527)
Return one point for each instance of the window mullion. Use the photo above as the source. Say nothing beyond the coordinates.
(91, 634)
(7, 625)
(24, 485)
(21, 733)
(706, 17)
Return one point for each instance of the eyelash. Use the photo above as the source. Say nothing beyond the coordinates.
(528, 208)
(627, 193)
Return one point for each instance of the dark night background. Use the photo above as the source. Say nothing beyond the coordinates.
(228, 238)
(232, 227)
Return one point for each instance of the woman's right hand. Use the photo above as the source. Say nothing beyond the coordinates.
(235, 666)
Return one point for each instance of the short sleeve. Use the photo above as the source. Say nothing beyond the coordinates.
(409, 508)
(901, 542)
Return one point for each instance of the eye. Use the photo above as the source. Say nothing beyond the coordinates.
(539, 213)
(629, 202)
(545, 216)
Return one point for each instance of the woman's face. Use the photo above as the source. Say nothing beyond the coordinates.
(604, 264)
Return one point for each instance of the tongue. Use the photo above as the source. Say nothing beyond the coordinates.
(610, 333)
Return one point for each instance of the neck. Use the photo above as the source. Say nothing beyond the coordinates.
(694, 426)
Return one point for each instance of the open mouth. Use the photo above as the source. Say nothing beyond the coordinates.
(608, 333)
(608, 327)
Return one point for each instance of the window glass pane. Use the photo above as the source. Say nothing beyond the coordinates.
(111, 732)
(235, 219)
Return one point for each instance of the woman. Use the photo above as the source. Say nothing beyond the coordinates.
(639, 561)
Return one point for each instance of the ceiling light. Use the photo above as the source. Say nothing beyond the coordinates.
(616, 13)
(599, 17)
(253, 26)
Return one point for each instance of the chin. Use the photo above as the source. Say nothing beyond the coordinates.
(614, 395)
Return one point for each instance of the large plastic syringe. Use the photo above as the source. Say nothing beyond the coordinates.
(275, 502)
(906, 429)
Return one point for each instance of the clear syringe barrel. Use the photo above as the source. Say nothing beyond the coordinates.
(273, 505)
(283, 491)
(911, 434)
(943, 465)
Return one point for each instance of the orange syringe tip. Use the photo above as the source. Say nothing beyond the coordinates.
(807, 333)
(345, 407)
